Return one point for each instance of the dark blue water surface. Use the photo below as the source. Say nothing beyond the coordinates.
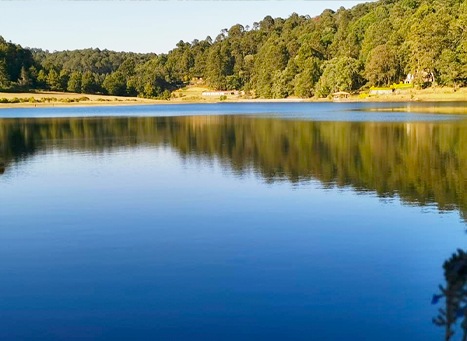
(229, 222)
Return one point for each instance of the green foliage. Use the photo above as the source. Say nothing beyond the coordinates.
(64, 78)
(150, 80)
(378, 42)
(4, 79)
(233, 82)
(15, 100)
(451, 68)
(53, 80)
(41, 79)
(24, 80)
(219, 65)
(340, 74)
(272, 57)
(428, 37)
(15, 59)
(74, 83)
(115, 84)
(306, 80)
(382, 67)
(127, 68)
(89, 83)
(33, 74)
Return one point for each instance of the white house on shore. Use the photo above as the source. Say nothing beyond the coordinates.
(427, 77)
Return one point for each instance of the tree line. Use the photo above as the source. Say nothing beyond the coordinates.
(371, 44)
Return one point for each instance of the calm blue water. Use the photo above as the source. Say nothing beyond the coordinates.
(228, 222)
(308, 111)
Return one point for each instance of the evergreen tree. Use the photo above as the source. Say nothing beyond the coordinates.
(378, 43)
(74, 84)
(340, 74)
(24, 81)
(88, 83)
(4, 80)
(42, 79)
(53, 80)
(33, 76)
(115, 84)
(64, 77)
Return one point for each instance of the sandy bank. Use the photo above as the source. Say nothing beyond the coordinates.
(62, 99)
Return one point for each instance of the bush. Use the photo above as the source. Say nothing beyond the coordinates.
(166, 95)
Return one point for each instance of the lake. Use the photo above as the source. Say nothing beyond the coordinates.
(296, 221)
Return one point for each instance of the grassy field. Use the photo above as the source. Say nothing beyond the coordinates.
(57, 99)
(194, 95)
(425, 95)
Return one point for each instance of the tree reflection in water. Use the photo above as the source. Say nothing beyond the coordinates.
(422, 163)
(454, 295)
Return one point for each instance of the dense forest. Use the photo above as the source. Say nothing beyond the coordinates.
(371, 44)
(421, 163)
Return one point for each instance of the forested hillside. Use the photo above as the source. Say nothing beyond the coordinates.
(372, 44)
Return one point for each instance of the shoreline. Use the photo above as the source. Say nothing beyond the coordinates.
(91, 104)
(64, 100)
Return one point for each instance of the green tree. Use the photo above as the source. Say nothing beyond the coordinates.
(64, 77)
(115, 84)
(219, 65)
(74, 83)
(33, 76)
(4, 80)
(284, 81)
(382, 67)
(127, 68)
(450, 68)
(53, 80)
(387, 38)
(340, 74)
(306, 80)
(24, 80)
(272, 57)
(42, 79)
(233, 82)
(428, 38)
(88, 83)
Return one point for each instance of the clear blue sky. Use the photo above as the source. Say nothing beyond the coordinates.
(138, 26)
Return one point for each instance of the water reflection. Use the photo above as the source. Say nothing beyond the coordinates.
(423, 163)
(454, 295)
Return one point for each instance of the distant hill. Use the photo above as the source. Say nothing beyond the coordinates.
(373, 44)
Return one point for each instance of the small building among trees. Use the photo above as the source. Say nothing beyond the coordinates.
(338, 96)
(426, 77)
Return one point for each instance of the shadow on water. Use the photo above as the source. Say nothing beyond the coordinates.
(422, 163)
